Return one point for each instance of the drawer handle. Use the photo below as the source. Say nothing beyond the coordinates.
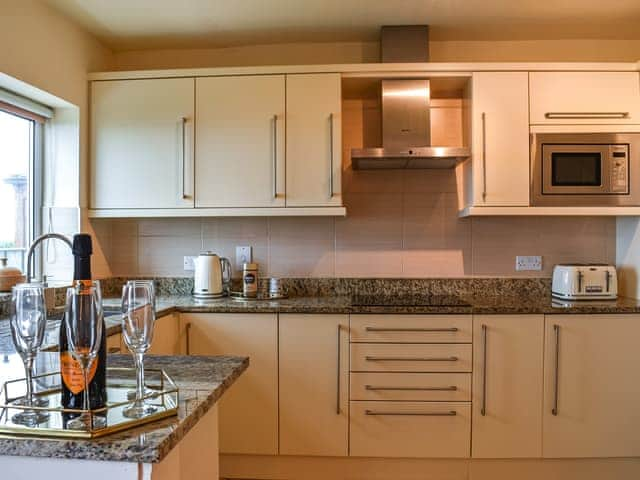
(451, 413)
(410, 359)
(579, 115)
(384, 329)
(452, 388)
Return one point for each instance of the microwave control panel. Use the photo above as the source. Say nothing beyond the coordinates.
(619, 168)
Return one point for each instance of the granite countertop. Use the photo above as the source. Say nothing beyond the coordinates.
(201, 380)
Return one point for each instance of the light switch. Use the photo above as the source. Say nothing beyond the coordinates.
(243, 255)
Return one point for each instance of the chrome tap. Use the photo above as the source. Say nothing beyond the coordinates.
(35, 243)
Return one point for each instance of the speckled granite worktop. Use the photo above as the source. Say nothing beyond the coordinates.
(201, 380)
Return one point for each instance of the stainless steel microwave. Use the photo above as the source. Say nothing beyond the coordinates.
(585, 169)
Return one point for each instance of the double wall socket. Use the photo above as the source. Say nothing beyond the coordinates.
(531, 262)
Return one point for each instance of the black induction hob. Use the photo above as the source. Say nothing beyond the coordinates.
(408, 301)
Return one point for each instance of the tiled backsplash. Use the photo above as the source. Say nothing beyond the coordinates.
(398, 224)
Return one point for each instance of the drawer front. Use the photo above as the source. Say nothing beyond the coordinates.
(388, 357)
(440, 387)
(410, 429)
(411, 328)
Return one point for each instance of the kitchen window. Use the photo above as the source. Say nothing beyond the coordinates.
(21, 142)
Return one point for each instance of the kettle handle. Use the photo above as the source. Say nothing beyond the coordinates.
(226, 272)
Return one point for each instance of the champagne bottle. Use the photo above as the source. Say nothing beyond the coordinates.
(72, 380)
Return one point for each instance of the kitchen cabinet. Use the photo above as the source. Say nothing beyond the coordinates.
(142, 144)
(507, 386)
(240, 148)
(314, 387)
(500, 139)
(314, 140)
(249, 410)
(584, 98)
(166, 336)
(591, 395)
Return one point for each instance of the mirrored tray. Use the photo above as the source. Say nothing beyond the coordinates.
(120, 383)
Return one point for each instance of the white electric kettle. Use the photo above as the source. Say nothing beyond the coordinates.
(212, 276)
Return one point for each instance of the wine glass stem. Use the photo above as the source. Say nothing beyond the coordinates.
(85, 397)
(139, 376)
(28, 367)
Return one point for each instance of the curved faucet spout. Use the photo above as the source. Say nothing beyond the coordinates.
(35, 243)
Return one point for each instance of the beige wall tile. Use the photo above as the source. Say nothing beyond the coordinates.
(369, 261)
(159, 255)
(170, 227)
(301, 246)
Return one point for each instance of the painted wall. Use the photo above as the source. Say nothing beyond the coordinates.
(52, 56)
(359, 52)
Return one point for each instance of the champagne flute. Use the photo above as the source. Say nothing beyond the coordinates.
(28, 322)
(83, 321)
(138, 318)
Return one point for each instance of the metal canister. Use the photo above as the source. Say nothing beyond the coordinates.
(250, 279)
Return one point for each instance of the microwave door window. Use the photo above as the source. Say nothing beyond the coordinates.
(573, 169)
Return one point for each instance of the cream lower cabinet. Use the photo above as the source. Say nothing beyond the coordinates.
(500, 128)
(166, 336)
(591, 392)
(240, 147)
(249, 410)
(314, 387)
(507, 386)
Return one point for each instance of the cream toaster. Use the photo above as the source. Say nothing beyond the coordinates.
(577, 281)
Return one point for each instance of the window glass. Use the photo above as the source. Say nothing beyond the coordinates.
(16, 160)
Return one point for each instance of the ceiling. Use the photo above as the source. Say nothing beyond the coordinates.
(146, 24)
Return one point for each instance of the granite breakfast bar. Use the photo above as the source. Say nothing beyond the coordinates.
(179, 447)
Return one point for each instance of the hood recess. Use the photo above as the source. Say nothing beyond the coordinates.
(406, 119)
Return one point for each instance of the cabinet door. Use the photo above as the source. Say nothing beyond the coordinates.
(585, 97)
(166, 337)
(591, 395)
(500, 126)
(314, 145)
(240, 151)
(249, 410)
(142, 143)
(507, 386)
(314, 388)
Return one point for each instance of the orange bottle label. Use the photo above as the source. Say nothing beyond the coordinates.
(72, 372)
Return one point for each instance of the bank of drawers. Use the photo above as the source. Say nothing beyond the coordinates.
(410, 385)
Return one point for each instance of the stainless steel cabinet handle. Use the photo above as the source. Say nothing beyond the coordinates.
(338, 376)
(578, 115)
(452, 388)
(483, 409)
(188, 333)
(410, 329)
(183, 155)
(410, 359)
(275, 156)
(331, 156)
(451, 413)
(484, 157)
(554, 410)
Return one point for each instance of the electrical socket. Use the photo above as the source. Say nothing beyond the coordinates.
(243, 255)
(189, 263)
(531, 262)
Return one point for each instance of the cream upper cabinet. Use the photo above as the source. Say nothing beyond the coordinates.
(500, 126)
(314, 145)
(585, 97)
(314, 388)
(507, 386)
(249, 410)
(240, 146)
(591, 392)
(142, 143)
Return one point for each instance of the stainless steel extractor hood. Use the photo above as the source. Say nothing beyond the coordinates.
(406, 125)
